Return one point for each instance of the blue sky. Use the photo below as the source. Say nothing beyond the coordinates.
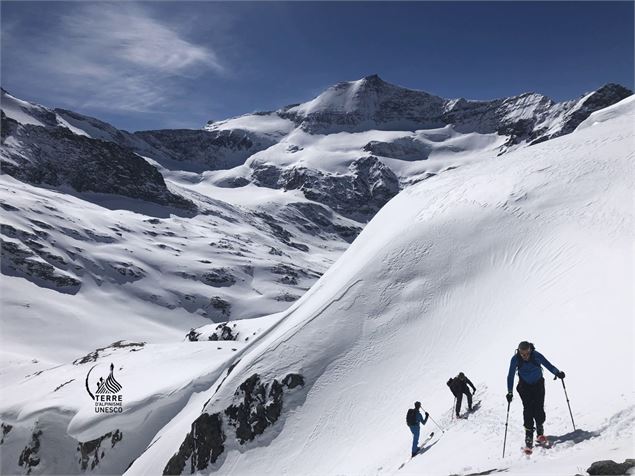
(153, 65)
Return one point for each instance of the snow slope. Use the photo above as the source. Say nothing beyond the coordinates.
(449, 277)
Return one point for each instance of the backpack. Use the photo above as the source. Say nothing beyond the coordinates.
(532, 358)
(411, 417)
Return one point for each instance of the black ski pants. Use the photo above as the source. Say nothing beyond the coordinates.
(459, 398)
(533, 397)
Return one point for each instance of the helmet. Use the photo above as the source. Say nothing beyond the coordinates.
(417, 404)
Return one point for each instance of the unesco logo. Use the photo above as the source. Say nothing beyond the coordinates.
(107, 396)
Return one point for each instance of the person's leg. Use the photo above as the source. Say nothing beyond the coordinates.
(539, 414)
(466, 391)
(459, 399)
(415, 439)
(525, 393)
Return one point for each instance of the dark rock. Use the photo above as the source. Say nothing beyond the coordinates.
(198, 150)
(286, 297)
(609, 467)
(293, 380)
(257, 407)
(202, 446)
(358, 195)
(18, 260)
(218, 278)
(404, 148)
(90, 450)
(57, 157)
(120, 344)
(221, 305)
(29, 457)
(6, 428)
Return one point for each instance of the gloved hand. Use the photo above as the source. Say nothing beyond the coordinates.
(560, 374)
(474, 392)
(427, 415)
(509, 397)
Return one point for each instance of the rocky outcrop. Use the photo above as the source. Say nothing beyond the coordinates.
(357, 195)
(222, 331)
(371, 103)
(6, 428)
(29, 458)
(30, 260)
(607, 95)
(56, 157)
(91, 452)
(609, 467)
(97, 353)
(257, 406)
(405, 148)
(199, 150)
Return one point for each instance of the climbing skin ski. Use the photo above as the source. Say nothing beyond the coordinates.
(423, 443)
(543, 442)
(421, 447)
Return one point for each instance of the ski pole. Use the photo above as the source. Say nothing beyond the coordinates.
(442, 430)
(506, 422)
(568, 404)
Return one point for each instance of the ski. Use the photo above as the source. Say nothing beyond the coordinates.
(543, 443)
(421, 447)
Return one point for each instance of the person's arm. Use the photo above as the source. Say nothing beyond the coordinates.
(510, 375)
(469, 382)
(422, 420)
(543, 361)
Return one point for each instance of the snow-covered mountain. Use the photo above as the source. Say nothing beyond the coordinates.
(116, 257)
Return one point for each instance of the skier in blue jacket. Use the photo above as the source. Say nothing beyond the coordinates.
(413, 419)
(531, 388)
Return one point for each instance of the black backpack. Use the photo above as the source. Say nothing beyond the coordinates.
(411, 417)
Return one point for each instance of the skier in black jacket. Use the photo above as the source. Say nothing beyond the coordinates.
(459, 386)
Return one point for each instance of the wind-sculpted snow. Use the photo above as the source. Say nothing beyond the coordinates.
(449, 277)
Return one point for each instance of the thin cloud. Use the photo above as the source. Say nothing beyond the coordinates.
(115, 57)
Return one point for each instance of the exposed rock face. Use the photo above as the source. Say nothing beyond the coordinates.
(318, 220)
(29, 458)
(91, 451)
(27, 255)
(57, 157)
(357, 195)
(257, 406)
(222, 332)
(371, 103)
(406, 148)
(365, 104)
(201, 447)
(6, 428)
(120, 344)
(607, 467)
(603, 97)
(218, 278)
(221, 308)
(200, 149)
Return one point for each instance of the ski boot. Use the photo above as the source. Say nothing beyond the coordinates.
(529, 441)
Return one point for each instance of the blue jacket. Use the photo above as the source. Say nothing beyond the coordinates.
(529, 372)
(420, 419)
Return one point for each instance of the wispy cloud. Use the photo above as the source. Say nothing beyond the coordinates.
(117, 57)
